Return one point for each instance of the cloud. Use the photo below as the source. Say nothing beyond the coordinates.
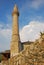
(9, 20)
(1, 26)
(31, 31)
(9, 17)
(37, 3)
(5, 32)
(5, 38)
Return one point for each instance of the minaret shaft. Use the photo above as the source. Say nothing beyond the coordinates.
(15, 25)
(15, 44)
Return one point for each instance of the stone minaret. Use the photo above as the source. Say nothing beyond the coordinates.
(15, 44)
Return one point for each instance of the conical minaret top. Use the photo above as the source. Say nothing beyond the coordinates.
(15, 10)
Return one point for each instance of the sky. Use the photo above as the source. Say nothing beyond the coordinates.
(31, 20)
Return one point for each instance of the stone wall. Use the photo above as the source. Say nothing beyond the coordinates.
(30, 56)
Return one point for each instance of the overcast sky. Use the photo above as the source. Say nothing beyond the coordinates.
(31, 20)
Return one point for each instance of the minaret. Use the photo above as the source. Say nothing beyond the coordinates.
(15, 43)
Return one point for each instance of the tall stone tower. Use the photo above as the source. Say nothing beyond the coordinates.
(15, 42)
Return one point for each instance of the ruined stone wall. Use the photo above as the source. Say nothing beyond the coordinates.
(32, 55)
